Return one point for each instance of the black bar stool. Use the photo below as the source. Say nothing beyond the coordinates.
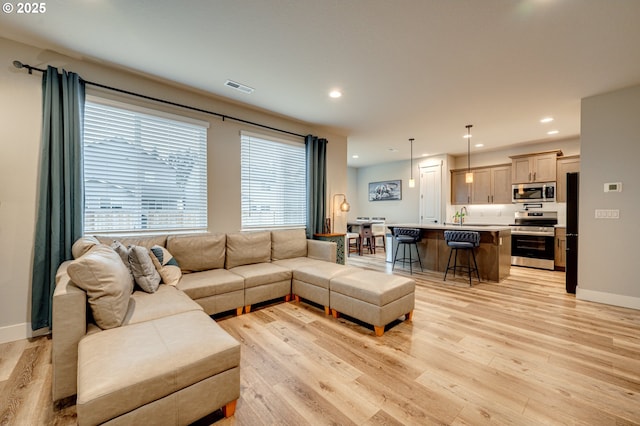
(462, 240)
(407, 237)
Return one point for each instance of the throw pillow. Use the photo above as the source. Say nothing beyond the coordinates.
(122, 251)
(166, 265)
(143, 270)
(83, 245)
(107, 281)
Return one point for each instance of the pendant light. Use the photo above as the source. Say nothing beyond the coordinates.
(468, 177)
(412, 181)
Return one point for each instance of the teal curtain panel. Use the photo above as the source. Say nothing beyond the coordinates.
(60, 200)
(316, 184)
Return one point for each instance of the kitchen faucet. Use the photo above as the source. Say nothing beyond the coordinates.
(463, 212)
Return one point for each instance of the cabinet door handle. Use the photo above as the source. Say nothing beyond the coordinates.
(529, 176)
(534, 176)
(488, 199)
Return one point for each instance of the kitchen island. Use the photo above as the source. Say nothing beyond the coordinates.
(493, 255)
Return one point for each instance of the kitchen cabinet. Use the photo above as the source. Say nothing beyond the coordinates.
(460, 190)
(539, 167)
(569, 164)
(491, 185)
(560, 249)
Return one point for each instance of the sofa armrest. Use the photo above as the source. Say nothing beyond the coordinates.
(322, 250)
(69, 325)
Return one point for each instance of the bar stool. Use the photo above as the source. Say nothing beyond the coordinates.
(407, 237)
(462, 240)
(353, 242)
(379, 231)
(367, 238)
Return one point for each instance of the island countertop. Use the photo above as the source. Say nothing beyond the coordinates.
(493, 254)
(451, 226)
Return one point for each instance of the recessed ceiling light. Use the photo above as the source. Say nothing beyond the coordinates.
(467, 136)
(553, 132)
(479, 145)
(392, 149)
(355, 156)
(547, 120)
(335, 94)
(425, 155)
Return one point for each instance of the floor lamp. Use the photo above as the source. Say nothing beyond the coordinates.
(344, 207)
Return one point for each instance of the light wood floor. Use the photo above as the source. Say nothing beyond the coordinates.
(521, 352)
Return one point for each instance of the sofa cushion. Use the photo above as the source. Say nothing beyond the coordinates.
(198, 252)
(147, 241)
(143, 270)
(167, 300)
(83, 245)
(166, 265)
(167, 354)
(288, 243)
(107, 281)
(245, 248)
(262, 273)
(210, 283)
(298, 262)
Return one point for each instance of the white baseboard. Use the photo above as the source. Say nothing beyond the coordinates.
(15, 332)
(608, 298)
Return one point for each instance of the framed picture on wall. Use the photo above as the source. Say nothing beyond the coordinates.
(387, 190)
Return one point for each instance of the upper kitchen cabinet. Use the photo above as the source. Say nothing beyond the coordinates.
(460, 190)
(539, 167)
(570, 164)
(491, 185)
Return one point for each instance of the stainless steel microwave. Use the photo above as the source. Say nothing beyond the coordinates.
(533, 192)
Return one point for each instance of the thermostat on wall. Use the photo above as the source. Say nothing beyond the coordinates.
(613, 187)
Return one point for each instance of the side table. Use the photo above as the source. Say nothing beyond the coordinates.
(335, 238)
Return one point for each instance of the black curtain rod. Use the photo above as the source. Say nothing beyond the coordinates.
(19, 65)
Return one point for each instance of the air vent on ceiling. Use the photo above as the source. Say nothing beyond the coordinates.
(241, 87)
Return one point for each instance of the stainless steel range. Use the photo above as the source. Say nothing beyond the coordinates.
(532, 239)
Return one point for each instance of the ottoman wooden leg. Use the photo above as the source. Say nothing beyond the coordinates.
(409, 316)
(379, 330)
(297, 298)
(326, 310)
(239, 311)
(287, 298)
(335, 313)
(247, 308)
(229, 409)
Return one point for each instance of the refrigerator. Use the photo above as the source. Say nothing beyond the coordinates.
(571, 268)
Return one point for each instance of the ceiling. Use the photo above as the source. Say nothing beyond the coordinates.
(418, 69)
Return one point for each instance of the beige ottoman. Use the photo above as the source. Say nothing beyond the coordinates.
(372, 297)
(172, 370)
(312, 282)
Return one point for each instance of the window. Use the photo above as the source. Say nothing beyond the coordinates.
(143, 170)
(273, 183)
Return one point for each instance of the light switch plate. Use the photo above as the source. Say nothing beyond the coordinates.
(607, 214)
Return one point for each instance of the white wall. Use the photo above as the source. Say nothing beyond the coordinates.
(608, 249)
(405, 210)
(20, 117)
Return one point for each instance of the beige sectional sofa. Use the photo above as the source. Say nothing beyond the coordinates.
(151, 354)
(139, 357)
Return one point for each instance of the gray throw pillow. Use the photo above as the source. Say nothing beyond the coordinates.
(143, 269)
(108, 284)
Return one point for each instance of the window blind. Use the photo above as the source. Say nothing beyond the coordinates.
(143, 172)
(273, 182)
